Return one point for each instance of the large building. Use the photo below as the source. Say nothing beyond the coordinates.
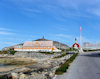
(39, 45)
(44, 46)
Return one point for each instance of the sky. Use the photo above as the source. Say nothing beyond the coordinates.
(59, 20)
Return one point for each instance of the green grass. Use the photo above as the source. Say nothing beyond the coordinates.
(12, 52)
(3, 52)
(63, 68)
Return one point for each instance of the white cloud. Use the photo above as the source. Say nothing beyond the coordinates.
(4, 29)
(6, 33)
(60, 9)
(9, 43)
(95, 11)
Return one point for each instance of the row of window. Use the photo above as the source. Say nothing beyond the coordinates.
(31, 47)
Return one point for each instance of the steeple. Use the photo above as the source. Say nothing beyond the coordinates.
(75, 40)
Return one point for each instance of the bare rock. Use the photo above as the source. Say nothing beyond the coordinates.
(15, 75)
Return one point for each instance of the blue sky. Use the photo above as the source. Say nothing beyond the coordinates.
(60, 20)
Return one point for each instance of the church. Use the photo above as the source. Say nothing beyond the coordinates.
(76, 45)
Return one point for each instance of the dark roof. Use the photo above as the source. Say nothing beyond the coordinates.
(41, 40)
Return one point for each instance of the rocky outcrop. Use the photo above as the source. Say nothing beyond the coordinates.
(60, 45)
(36, 55)
(43, 69)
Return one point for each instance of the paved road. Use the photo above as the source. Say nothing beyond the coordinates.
(85, 66)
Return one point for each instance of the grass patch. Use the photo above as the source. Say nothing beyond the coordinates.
(3, 52)
(12, 52)
(63, 68)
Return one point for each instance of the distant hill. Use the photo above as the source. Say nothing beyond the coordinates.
(56, 43)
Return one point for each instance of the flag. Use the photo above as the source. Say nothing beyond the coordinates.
(80, 29)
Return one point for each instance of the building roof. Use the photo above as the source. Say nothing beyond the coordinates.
(42, 39)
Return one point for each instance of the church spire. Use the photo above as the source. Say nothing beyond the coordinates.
(75, 40)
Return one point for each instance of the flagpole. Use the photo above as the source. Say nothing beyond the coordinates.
(81, 40)
(80, 36)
